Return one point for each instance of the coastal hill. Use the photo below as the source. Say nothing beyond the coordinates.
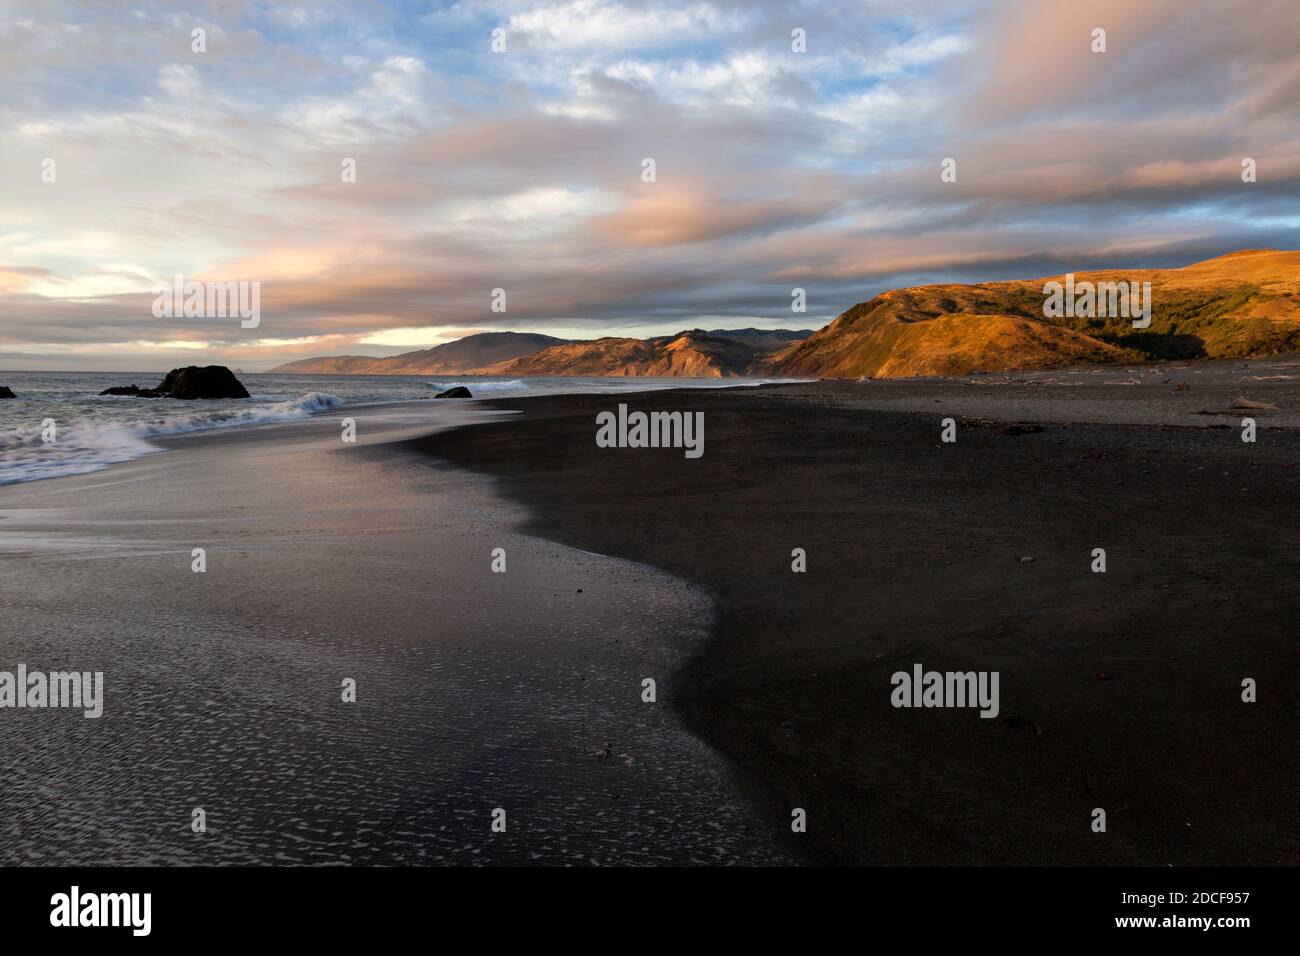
(463, 355)
(1240, 304)
(692, 354)
(720, 353)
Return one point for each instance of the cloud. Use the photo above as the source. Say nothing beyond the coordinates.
(681, 214)
(581, 25)
(521, 170)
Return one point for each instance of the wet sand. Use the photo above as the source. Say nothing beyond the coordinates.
(1119, 691)
(475, 690)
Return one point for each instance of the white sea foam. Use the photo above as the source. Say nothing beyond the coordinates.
(298, 408)
(561, 385)
(478, 385)
(79, 449)
(83, 448)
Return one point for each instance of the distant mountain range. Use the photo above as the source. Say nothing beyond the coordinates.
(462, 356)
(1240, 304)
(720, 353)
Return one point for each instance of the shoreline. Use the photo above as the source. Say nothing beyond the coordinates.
(912, 559)
(915, 558)
(475, 690)
(97, 431)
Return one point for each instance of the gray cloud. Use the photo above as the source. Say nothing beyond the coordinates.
(522, 171)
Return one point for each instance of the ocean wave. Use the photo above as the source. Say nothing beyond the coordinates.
(477, 385)
(289, 411)
(83, 448)
(78, 450)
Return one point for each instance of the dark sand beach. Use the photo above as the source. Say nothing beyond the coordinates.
(479, 690)
(1119, 691)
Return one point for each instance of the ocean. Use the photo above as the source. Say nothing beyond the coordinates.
(91, 432)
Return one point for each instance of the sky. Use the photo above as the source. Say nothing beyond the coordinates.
(128, 157)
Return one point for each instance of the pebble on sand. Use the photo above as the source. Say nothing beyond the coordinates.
(1246, 404)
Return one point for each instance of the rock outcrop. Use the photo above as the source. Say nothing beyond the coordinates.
(134, 390)
(209, 381)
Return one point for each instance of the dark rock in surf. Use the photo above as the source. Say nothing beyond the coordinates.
(210, 381)
(460, 391)
(134, 390)
(6, 392)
